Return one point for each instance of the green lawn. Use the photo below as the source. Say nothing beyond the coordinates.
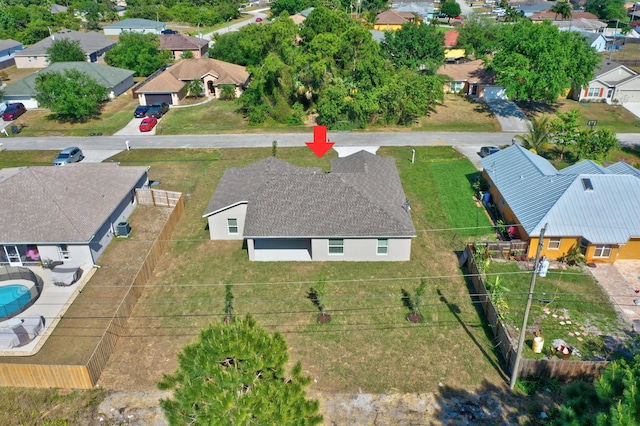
(567, 304)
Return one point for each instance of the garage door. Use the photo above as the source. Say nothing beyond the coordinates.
(158, 97)
(625, 96)
(282, 249)
(494, 93)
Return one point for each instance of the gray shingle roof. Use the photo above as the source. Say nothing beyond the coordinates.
(61, 204)
(104, 74)
(90, 42)
(361, 197)
(537, 194)
(136, 23)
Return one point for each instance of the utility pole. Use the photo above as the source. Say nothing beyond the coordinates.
(516, 364)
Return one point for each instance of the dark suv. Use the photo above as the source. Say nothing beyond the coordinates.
(141, 111)
(158, 109)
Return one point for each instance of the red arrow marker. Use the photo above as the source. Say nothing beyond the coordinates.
(320, 146)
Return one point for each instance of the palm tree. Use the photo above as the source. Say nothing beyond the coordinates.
(539, 134)
(563, 9)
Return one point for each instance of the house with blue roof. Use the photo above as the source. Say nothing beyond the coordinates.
(585, 205)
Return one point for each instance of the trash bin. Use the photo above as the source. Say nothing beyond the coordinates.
(15, 130)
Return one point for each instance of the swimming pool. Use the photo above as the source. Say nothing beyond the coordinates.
(15, 297)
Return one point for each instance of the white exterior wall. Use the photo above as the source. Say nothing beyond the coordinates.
(78, 254)
(218, 229)
(32, 61)
(29, 103)
(602, 92)
(628, 91)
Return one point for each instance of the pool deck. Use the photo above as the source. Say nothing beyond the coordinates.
(52, 305)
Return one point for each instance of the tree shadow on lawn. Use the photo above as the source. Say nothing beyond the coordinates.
(455, 310)
(632, 150)
(533, 108)
(481, 107)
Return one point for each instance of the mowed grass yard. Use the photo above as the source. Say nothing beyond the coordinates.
(368, 345)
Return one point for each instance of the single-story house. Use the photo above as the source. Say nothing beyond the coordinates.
(591, 25)
(613, 83)
(116, 80)
(57, 8)
(585, 205)
(8, 48)
(392, 20)
(180, 43)
(169, 85)
(136, 25)
(94, 44)
(357, 212)
(423, 9)
(548, 14)
(472, 79)
(596, 40)
(68, 213)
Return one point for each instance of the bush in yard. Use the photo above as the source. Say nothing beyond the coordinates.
(234, 374)
(414, 301)
(227, 92)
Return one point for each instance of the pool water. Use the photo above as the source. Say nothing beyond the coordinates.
(13, 298)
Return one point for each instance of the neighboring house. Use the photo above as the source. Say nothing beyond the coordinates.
(180, 43)
(472, 79)
(136, 25)
(591, 25)
(596, 40)
(421, 9)
(528, 10)
(585, 205)
(613, 83)
(8, 48)
(169, 85)
(451, 54)
(95, 45)
(357, 212)
(392, 20)
(67, 213)
(575, 15)
(116, 80)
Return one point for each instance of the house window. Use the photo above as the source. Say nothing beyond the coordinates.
(63, 251)
(554, 243)
(594, 92)
(602, 251)
(383, 246)
(232, 226)
(455, 86)
(336, 246)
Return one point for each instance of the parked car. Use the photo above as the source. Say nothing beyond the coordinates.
(169, 31)
(258, 19)
(141, 111)
(148, 123)
(13, 111)
(488, 150)
(157, 109)
(68, 155)
(499, 10)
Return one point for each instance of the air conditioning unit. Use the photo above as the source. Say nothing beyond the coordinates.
(123, 229)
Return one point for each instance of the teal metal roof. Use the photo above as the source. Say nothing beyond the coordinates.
(537, 194)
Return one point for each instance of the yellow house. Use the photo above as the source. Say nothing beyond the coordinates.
(593, 208)
(392, 20)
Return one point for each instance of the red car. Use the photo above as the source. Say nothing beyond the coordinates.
(148, 123)
(13, 111)
(258, 19)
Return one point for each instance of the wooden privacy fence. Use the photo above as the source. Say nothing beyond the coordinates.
(554, 368)
(157, 197)
(86, 376)
(504, 249)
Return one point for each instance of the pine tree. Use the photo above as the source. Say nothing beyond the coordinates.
(234, 374)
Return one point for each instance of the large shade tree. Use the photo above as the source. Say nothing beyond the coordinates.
(414, 46)
(608, 10)
(71, 95)
(138, 52)
(537, 62)
(66, 50)
(234, 374)
(480, 35)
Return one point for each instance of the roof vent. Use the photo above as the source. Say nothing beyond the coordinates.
(407, 205)
(586, 183)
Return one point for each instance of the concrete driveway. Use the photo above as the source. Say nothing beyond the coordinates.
(509, 115)
(633, 108)
(133, 129)
(621, 281)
